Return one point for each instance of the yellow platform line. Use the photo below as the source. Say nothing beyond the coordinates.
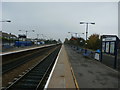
(76, 84)
(74, 78)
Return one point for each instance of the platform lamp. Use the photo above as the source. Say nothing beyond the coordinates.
(87, 27)
(5, 21)
(37, 38)
(27, 32)
(71, 34)
(79, 34)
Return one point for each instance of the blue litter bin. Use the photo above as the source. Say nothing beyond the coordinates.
(97, 55)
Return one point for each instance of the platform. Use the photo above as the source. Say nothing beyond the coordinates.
(61, 75)
(16, 50)
(90, 73)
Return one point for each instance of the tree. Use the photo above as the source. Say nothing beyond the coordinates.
(93, 42)
(75, 41)
(81, 42)
(66, 41)
(59, 41)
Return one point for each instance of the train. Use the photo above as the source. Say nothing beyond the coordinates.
(23, 43)
(27, 43)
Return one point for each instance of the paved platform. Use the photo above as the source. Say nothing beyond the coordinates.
(90, 73)
(61, 75)
(20, 49)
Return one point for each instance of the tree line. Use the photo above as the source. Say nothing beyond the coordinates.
(93, 42)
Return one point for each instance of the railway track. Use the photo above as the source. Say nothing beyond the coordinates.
(35, 78)
(19, 61)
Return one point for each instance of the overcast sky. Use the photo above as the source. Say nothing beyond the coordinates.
(55, 20)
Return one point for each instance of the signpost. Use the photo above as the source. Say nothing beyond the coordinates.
(109, 46)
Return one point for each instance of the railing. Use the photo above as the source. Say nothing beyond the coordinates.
(86, 52)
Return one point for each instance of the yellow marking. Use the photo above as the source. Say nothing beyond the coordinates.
(76, 84)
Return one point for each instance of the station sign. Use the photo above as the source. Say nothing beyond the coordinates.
(109, 44)
(109, 39)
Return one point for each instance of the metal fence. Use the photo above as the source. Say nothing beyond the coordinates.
(107, 60)
(86, 52)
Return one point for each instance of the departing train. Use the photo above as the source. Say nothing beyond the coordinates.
(23, 43)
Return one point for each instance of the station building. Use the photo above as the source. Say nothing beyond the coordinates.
(7, 38)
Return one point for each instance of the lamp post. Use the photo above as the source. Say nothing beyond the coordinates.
(46, 37)
(37, 38)
(75, 34)
(5, 21)
(27, 32)
(87, 23)
(43, 37)
(79, 34)
(71, 34)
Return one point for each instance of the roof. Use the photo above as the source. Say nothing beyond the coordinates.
(7, 35)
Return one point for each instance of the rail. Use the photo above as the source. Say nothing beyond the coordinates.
(35, 77)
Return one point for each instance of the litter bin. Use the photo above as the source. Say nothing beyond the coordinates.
(97, 55)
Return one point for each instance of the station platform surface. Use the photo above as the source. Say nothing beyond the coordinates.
(61, 75)
(20, 49)
(90, 73)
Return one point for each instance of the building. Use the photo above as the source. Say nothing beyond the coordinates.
(7, 38)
